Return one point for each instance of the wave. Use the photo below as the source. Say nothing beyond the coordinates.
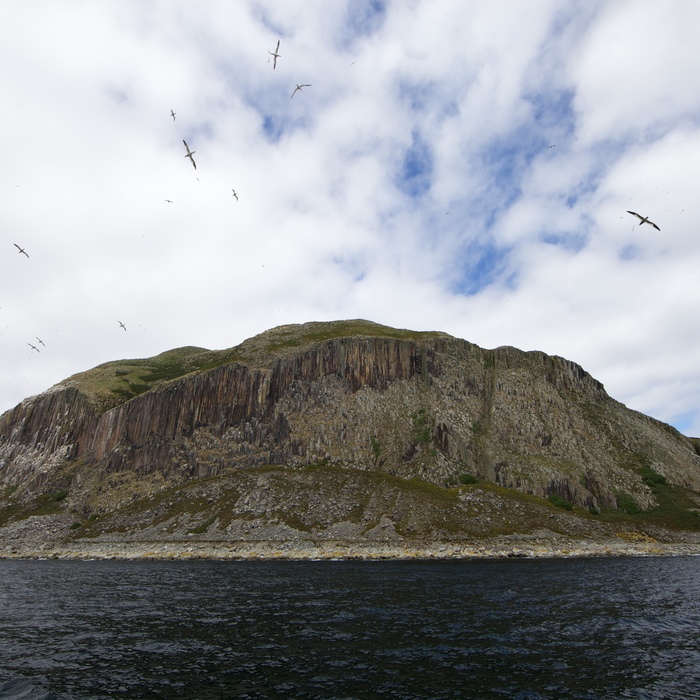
(24, 690)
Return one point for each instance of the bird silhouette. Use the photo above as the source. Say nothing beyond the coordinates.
(122, 325)
(172, 114)
(234, 194)
(297, 88)
(40, 340)
(22, 251)
(643, 219)
(33, 347)
(275, 54)
(190, 154)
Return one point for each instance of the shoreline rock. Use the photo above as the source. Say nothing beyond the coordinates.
(501, 548)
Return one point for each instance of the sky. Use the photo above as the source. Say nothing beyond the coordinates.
(465, 167)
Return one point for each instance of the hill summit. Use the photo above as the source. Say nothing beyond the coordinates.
(346, 431)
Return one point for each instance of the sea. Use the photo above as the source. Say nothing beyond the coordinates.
(508, 628)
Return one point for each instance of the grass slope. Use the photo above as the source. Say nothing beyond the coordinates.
(113, 383)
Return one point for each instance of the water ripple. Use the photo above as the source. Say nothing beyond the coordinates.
(583, 629)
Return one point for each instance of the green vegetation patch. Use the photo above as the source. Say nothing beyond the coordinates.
(201, 529)
(696, 444)
(626, 503)
(114, 383)
(296, 336)
(423, 424)
(651, 478)
(560, 502)
(677, 507)
(45, 504)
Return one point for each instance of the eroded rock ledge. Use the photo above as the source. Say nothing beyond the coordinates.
(505, 547)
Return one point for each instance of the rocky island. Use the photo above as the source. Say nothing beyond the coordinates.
(342, 439)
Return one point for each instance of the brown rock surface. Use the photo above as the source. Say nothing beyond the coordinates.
(366, 403)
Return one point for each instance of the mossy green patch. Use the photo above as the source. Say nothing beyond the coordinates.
(45, 504)
(560, 502)
(423, 424)
(677, 509)
(295, 336)
(203, 527)
(116, 382)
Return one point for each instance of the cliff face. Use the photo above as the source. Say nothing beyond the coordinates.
(409, 405)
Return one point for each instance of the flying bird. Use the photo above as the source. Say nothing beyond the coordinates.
(643, 219)
(122, 325)
(234, 194)
(190, 154)
(40, 340)
(21, 250)
(275, 55)
(169, 201)
(554, 145)
(172, 114)
(33, 347)
(298, 87)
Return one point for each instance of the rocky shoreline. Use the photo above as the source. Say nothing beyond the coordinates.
(51, 537)
(500, 548)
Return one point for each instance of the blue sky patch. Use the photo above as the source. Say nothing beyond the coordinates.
(365, 17)
(684, 423)
(553, 113)
(483, 263)
(416, 171)
(628, 252)
(573, 242)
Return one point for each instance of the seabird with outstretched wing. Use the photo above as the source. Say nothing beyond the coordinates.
(22, 251)
(643, 219)
(275, 55)
(297, 88)
(190, 154)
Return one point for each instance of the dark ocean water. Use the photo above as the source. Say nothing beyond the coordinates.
(525, 629)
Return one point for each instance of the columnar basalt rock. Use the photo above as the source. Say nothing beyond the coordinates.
(358, 396)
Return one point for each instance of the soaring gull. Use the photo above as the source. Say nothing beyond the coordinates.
(643, 219)
(172, 114)
(122, 325)
(33, 347)
(21, 250)
(275, 55)
(190, 154)
(298, 87)
(234, 194)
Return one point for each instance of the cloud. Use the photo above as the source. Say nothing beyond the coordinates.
(415, 110)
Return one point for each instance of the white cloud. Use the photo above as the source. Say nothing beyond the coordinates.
(635, 68)
(414, 110)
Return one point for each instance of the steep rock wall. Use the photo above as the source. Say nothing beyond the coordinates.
(433, 409)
